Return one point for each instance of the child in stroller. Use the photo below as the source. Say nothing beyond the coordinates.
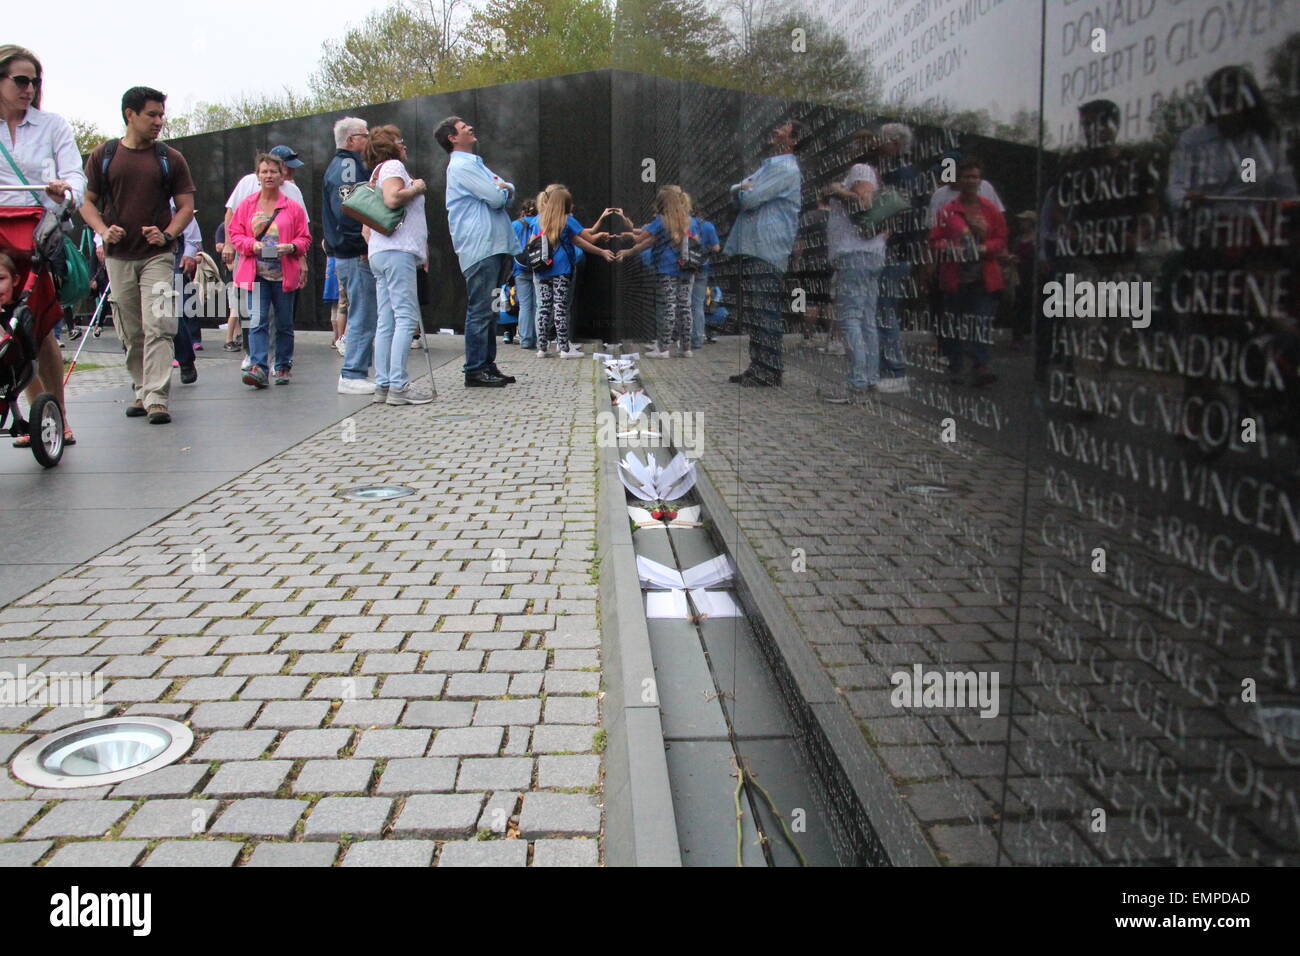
(31, 244)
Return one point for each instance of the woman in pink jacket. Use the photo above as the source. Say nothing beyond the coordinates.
(269, 230)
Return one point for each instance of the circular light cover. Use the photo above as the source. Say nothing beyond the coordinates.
(102, 752)
(376, 492)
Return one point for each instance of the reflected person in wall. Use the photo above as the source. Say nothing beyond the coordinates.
(971, 236)
(762, 236)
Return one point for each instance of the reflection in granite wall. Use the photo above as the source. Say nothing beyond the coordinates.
(1037, 426)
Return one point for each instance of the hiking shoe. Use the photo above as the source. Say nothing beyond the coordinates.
(158, 415)
(189, 374)
(136, 409)
(356, 386)
(255, 376)
(283, 376)
(411, 395)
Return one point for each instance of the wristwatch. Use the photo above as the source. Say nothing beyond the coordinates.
(169, 237)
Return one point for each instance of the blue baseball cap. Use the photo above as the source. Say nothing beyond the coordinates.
(287, 156)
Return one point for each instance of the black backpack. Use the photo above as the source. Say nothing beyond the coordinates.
(110, 149)
(536, 254)
(539, 255)
(690, 253)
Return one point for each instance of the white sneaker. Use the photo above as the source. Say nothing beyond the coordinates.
(341, 346)
(574, 352)
(246, 364)
(356, 386)
(411, 395)
(541, 353)
(684, 353)
(381, 393)
(656, 353)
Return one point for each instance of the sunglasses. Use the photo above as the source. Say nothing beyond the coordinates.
(22, 82)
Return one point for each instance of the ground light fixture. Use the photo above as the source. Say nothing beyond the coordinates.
(102, 752)
(376, 492)
(930, 491)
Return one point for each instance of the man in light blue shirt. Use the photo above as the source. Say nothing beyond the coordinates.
(763, 236)
(484, 239)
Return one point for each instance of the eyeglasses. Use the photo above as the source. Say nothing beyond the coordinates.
(22, 82)
(359, 134)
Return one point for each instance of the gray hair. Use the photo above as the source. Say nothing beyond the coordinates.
(345, 128)
(897, 132)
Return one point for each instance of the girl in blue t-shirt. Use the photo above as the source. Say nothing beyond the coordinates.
(671, 228)
(563, 234)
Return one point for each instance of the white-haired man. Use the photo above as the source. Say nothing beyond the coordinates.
(343, 241)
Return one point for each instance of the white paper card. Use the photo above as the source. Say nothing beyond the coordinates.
(715, 603)
(667, 604)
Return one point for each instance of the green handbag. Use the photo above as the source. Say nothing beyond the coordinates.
(75, 284)
(73, 279)
(366, 205)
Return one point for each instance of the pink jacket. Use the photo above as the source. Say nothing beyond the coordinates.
(291, 222)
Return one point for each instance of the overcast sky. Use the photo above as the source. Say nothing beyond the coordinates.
(94, 51)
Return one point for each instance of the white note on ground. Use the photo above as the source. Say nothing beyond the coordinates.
(656, 575)
(667, 604)
(708, 573)
(715, 603)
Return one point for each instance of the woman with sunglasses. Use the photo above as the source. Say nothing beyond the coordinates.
(43, 148)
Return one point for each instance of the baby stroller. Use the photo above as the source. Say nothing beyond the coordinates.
(33, 238)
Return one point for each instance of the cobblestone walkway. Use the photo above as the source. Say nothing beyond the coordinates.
(877, 578)
(393, 683)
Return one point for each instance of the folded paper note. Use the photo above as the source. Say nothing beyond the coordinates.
(688, 517)
(715, 604)
(651, 482)
(656, 576)
(667, 604)
(634, 403)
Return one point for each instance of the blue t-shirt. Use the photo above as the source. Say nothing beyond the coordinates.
(708, 239)
(663, 254)
(564, 256)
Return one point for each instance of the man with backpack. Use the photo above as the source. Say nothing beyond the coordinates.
(129, 183)
(343, 241)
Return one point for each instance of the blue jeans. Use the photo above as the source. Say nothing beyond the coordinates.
(698, 290)
(183, 341)
(977, 306)
(358, 351)
(888, 306)
(398, 297)
(526, 296)
(268, 297)
(480, 321)
(857, 286)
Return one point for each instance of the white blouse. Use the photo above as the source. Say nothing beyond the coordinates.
(44, 149)
(413, 234)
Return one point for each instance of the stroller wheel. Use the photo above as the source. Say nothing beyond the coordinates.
(46, 430)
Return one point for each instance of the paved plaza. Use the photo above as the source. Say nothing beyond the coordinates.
(369, 683)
